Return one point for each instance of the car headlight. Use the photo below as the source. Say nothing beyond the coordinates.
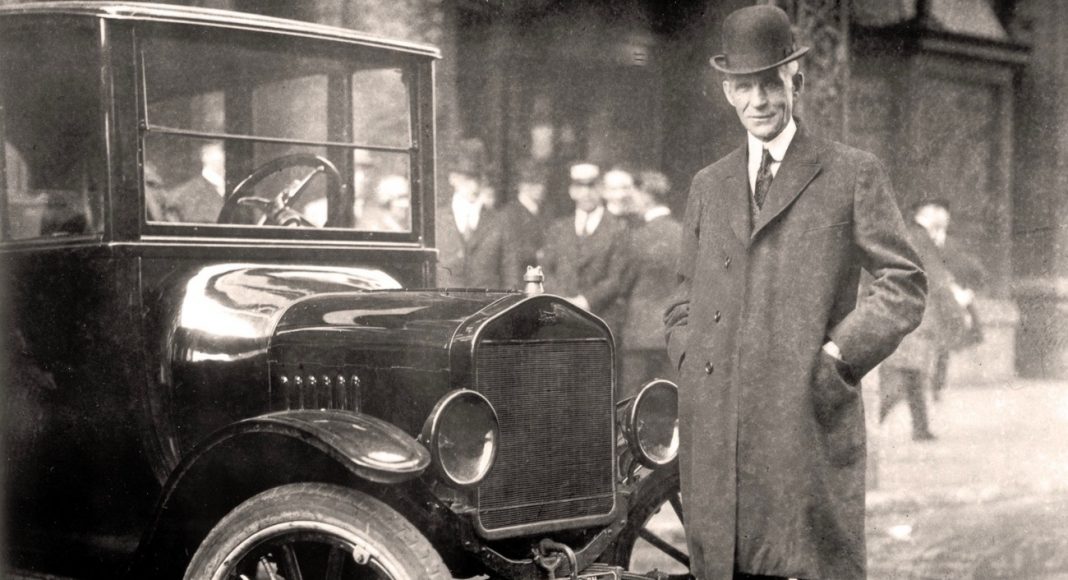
(651, 424)
(462, 435)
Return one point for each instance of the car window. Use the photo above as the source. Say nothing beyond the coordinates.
(51, 131)
(308, 138)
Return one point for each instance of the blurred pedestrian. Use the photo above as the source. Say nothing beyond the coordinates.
(524, 218)
(470, 236)
(968, 274)
(653, 247)
(200, 198)
(364, 169)
(390, 207)
(907, 373)
(770, 331)
(619, 193)
(584, 254)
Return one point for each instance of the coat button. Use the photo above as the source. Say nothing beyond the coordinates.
(716, 316)
(727, 262)
(709, 369)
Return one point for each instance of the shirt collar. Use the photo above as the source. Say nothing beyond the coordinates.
(777, 146)
(214, 179)
(528, 203)
(592, 220)
(657, 212)
(464, 210)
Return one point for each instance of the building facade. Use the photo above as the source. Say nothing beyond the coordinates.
(960, 98)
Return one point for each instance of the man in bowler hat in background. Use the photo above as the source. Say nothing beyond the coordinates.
(770, 333)
(470, 236)
(525, 218)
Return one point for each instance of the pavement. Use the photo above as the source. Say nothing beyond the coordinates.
(987, 500)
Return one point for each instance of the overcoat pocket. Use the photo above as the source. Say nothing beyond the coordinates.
(837, 405)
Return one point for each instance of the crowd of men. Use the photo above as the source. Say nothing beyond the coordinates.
(611, 255)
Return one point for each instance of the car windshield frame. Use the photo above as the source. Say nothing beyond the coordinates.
(340, 145)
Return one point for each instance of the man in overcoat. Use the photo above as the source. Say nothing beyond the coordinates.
(584, 256)
(525, 219)
(653, 246)
(471, 239)
(770, 333)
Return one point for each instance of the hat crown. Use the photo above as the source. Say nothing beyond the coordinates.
(756, 38)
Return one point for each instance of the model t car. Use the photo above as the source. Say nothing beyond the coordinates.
(225, 354)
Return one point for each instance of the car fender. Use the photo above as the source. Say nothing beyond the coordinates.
(369, 447)
(262, 452)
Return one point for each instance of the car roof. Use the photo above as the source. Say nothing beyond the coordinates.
(215, 17)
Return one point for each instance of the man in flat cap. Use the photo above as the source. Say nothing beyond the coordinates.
(770, 333)
(584, 254)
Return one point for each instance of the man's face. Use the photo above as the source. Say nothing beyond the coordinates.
(934, 219)
(618, 192)
(464, 185)
(586, 196)
(764, 101)
(532, 191)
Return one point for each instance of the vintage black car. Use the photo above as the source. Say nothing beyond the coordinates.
(225, 356)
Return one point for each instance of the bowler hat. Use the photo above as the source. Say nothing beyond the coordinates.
(470, 158)
(755, 39)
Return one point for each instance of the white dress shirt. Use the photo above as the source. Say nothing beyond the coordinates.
(466, 213)
(776, 147)
(591, 221)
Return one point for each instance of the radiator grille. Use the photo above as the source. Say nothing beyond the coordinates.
(554, 403)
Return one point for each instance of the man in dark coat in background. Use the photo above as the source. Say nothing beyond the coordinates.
(470, 236)
(584, 255)
(198, 200)
(907, 372)
(968, 275)
(653, 250)
(524, 219)
(770, 332)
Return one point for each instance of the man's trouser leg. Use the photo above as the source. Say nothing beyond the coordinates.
(917, 403)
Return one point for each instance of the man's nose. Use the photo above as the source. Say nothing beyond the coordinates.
(760, 97)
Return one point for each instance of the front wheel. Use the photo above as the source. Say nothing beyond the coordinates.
(653, 537)
(315, 531)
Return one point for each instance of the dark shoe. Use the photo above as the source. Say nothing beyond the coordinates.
(924, 436)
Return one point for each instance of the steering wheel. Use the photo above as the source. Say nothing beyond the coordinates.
(279, 211)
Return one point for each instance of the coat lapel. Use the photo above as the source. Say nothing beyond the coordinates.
(736, 187)
(799, 167)
(479, 233)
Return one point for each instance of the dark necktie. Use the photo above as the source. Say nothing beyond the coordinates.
(763, 180)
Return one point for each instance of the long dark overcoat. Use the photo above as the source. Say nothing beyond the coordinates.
(772, 428)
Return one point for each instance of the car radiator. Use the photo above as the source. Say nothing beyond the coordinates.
(556, 457)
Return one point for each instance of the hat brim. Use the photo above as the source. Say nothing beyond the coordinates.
(719, 62)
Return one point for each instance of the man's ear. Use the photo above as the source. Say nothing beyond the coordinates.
(799, 83)
(727, 92)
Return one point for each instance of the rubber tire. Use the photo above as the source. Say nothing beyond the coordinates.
(350, 510)
(653, 490)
